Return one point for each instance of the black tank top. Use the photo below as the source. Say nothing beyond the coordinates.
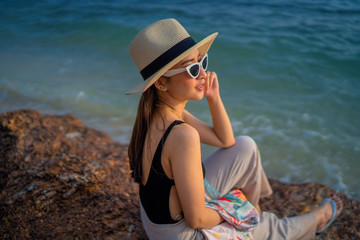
(154, 195)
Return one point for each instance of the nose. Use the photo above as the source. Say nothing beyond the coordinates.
(202, 74)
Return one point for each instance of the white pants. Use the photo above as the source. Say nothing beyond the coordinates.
(239, 167)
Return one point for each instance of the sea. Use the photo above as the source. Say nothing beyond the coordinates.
(289, 73)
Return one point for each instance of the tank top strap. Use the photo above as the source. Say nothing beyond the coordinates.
(156, 163)
(166, 134)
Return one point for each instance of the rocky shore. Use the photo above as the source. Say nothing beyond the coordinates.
(62, 180)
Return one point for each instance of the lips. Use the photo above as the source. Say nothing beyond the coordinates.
(201, 87)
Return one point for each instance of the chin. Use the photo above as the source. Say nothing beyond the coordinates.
(198, 96)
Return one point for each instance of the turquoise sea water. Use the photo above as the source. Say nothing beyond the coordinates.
(289, 73)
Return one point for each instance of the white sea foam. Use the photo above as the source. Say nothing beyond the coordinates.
(80, 96)
(295, 89)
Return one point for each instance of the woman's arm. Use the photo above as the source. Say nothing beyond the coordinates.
(221, 133)
(185, 159)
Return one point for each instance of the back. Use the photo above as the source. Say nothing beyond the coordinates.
(155, 192)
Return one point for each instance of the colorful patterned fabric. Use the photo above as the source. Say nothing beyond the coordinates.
(225, 231)
(239, 214)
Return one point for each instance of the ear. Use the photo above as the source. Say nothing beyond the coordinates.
(160, 84)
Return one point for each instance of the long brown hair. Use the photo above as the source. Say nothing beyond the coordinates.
(143, 120)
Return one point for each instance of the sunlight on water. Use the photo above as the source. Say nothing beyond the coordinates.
(289, 73)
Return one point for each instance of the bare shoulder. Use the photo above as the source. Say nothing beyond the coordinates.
(184, 135)
(185, 131)
(183, 149)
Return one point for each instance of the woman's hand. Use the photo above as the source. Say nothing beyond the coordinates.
(221, 133)
(211, 86)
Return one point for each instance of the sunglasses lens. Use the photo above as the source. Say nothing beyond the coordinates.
(205, 63)
(194, 70)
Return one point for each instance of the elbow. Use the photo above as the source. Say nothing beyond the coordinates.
(203, 221)
(195, 223)
(192, 225)
(206, 219)
(228, 143)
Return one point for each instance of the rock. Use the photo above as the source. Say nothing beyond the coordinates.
(296, 199)
(62, 180)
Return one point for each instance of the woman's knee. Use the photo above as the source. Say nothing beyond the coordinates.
(245, 143)
(246, 150)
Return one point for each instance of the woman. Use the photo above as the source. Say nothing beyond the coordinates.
(164, 149)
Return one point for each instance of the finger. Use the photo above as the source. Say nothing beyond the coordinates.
(212, 82)
(207, 85)
(215, 81)
(211, 79)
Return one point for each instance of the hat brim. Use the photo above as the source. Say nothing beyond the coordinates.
(203, 47)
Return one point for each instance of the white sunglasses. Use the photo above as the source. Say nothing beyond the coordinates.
(193, 69)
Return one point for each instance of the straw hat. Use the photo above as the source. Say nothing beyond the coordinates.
(159, 47)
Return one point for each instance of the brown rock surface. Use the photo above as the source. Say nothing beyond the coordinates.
(296, 199)
(62, 180)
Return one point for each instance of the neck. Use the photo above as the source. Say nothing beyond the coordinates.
(175, 107)
(170, 109)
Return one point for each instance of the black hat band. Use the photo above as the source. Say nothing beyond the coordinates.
(167, 57)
